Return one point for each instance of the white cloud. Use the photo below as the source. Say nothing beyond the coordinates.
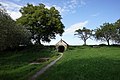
(82, 2)
(72, 4)
(95, 15)
(10, 5)
(17, 0)
(76, 3)
(74, 27)
(60, 9)
(12, 9)
(67, 7)
(14, 15)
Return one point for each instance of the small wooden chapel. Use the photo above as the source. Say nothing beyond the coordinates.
(61, 46)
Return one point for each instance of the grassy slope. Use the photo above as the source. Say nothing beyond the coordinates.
(86, 64)
(14, 65)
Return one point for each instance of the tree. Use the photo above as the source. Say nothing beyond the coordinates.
(42, 22)
(105, 32)
(11, 35)
(116, 38)
(84, 34)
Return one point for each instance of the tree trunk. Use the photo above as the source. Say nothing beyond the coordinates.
(84, 42)
(108, 42)
(39, 41)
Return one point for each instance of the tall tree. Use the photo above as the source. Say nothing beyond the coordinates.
(105, 32)
(42, 22)
(11, 35)
(84, 34)
(116, 38)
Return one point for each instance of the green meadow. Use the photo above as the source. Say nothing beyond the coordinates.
(15, 64)
(77, 63)
(86, 63)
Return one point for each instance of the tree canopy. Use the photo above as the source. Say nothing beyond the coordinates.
(84, 34)
(42, 22)
(11, 35)
(116, 37)
(106, 32)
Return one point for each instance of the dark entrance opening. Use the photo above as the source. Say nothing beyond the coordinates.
(61, 49)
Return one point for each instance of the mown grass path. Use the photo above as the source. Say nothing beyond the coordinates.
(45, 68)
(86, 63)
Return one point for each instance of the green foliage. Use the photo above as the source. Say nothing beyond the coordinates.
(84, 34)
(43, 23)
(86, 63)
(11, 35)
(116, 38)
(106, 32)
(15, 65)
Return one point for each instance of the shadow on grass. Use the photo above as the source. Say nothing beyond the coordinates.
(14, 64)
(84, 69)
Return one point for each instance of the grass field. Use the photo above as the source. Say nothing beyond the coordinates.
(86, 63)
(15, 65)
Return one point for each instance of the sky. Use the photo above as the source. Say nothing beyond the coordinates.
(76, 14)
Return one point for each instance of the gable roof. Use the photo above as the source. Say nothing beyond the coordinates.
(61, 42)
